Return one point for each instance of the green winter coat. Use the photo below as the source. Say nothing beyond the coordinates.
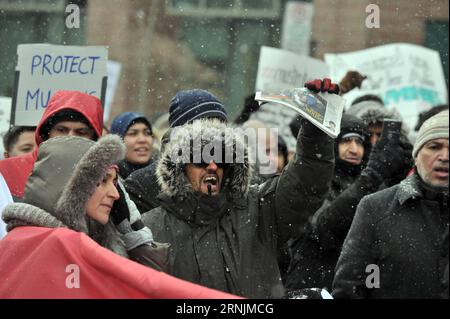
(229, 242)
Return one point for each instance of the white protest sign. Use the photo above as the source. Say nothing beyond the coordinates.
(409, 78)
(5, 116)
(44, 69)
(279, 70)
(113, 70)
(297, 26)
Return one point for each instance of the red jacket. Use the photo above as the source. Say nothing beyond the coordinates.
(16, 170)
(40, 262)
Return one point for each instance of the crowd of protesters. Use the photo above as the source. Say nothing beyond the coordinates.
(187, 212)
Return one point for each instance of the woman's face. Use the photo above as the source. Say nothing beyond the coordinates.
(99, 205)
(139, 143)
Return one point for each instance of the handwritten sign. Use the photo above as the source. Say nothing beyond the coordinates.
(279, 70)
(297, 25)
(409, 78)
(43, 69)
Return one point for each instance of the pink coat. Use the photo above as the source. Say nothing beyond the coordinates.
(40, 262)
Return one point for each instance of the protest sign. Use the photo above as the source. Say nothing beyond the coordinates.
(324, 110)
(279, 70)
(409, 78)
(5, 115)
(43, 69)
(297, 26)
(113, 70)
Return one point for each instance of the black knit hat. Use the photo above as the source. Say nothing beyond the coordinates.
(189, 105)
(352, 125)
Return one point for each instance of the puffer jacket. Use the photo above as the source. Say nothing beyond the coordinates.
(229, 242)
(16, 170)
(401, 233)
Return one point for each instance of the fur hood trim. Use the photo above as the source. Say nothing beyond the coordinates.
(89, 171)
(193, 138)
(22, 214)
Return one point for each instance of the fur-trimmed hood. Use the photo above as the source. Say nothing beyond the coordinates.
(185, 145)
(67, 172)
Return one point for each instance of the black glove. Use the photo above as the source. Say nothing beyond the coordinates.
(120, 211)
(127, 220)
(323, 86)
(389, 156)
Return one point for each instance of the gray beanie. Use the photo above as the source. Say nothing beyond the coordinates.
(433, 128)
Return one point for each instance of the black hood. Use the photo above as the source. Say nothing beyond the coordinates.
(352, 124)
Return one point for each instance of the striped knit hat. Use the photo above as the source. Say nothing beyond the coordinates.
(189, 105)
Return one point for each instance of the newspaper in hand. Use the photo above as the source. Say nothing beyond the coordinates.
(324, 110)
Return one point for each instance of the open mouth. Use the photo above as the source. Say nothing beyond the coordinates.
(441, 171)
(141, 150)
(210, 180)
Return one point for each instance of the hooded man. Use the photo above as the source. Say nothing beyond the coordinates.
(67, 113)
(372, 111)
(397, 246)
(316, 251)
(224, 233)
(185, 107)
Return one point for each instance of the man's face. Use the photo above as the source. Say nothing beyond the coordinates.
(351, 150)
(69, 128)
(25, 144)
(200, 176)
(375, 132)
(432, 162)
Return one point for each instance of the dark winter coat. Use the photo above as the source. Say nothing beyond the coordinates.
(404, 232)
(229, 242)
(316, 251)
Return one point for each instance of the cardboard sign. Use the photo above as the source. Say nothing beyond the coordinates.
(5, 115)
(43, 69)
(279, 70)
(297, 26)
(409, 78)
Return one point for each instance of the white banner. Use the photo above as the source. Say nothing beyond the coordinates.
(45, 68)
(297, 27)
(279, 70)
(407, 77)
